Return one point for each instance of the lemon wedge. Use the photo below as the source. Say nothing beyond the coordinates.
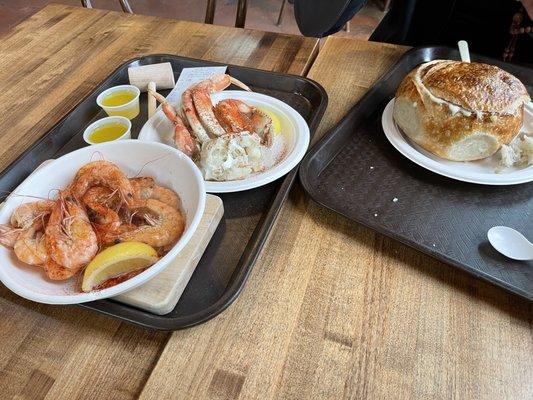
(116, 260)
(276, 123)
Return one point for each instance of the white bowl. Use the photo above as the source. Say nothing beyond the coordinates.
(169, 167)
(108, 120)
(293, 127)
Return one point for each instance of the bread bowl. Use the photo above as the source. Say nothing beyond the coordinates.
(460, 111)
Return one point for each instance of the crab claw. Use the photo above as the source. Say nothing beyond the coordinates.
(182, 137)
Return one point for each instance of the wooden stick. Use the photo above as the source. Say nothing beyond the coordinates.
(160, 98)
(151, 99)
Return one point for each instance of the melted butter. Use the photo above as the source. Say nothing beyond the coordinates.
(107, 132)
(276, 123)
(118, 98)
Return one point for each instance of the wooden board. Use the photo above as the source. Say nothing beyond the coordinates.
(49, 63)
(333, 310)
(161, 294)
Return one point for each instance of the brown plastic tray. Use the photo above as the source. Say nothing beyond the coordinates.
(248, 216)
(356, 172)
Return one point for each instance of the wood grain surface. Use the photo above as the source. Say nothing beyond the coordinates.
(47, 65)
(55, 58)
(333, 310)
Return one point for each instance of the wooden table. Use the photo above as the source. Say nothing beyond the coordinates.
(331, 310)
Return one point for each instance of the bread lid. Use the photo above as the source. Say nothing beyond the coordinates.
(475, 87)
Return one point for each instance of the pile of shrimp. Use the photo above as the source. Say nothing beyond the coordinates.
(200, 122)
(101, 207)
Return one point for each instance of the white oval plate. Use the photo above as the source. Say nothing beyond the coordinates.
(169, 167)
(481, 171)
(293, 128)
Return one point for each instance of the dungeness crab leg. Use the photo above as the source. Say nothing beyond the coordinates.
(231, 117)
(182, 137)
(237, 116)
(201, 95)
(191, 115)
(189, 108)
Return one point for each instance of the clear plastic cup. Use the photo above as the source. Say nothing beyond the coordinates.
(128, 110)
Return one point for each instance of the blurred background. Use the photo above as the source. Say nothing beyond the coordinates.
(261, 14)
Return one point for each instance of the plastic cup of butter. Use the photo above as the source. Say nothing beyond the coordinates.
(108, 129)
(121, 100)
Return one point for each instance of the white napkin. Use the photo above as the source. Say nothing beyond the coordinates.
(190, 76)
(527, 126)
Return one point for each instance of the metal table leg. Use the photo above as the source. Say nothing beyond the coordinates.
(242, 5)
(123, 4)
(280, 15)
(126, 6)
(210, 11)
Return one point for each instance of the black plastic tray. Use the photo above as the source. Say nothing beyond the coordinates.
(248, 216)
(356, 172)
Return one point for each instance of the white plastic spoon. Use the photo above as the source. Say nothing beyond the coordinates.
(510, 243)
(463, 50)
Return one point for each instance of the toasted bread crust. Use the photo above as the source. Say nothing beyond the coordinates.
(475, 86)
(449, 101)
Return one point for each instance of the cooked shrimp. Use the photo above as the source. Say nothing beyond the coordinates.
(102, 173)
(103, 202)
(26, 214)
(165, 225)
(57, 272)
(146, 188)
(70, 239)
(23, 224)
(182, 137)
(30, 246)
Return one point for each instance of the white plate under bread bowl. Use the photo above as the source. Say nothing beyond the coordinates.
(168, 166)
(452, 118)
